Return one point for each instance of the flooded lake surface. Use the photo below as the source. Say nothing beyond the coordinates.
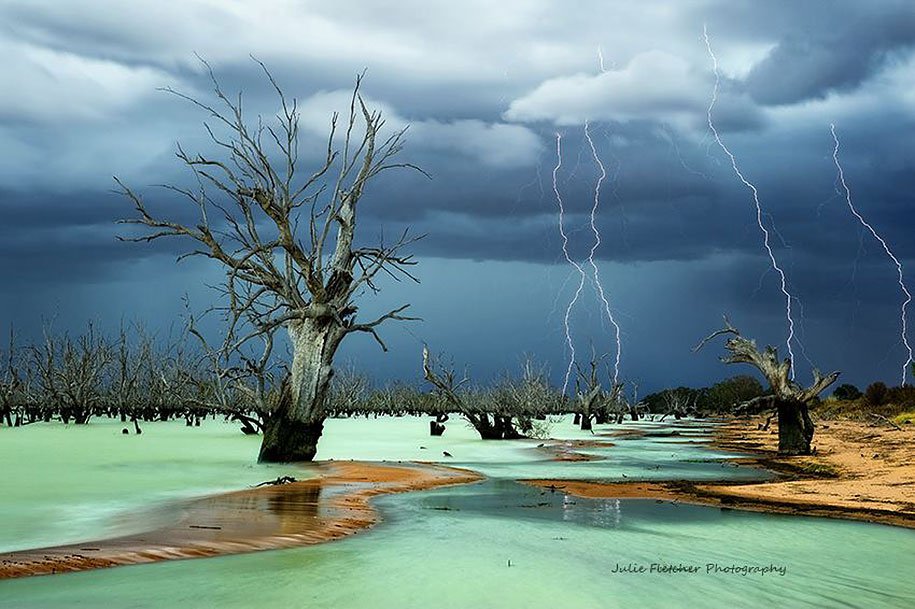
(497, 543)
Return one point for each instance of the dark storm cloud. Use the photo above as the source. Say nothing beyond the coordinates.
(834, 47)
(485, 88)
(54, 238)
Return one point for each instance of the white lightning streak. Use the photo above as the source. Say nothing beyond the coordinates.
(886, 248)
(759, 211)
(565, 251)
(597, 283)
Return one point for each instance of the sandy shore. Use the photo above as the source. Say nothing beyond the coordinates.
(859, 472)
(862, 471)
(333, 504)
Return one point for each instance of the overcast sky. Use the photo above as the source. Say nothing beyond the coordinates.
(486, 87)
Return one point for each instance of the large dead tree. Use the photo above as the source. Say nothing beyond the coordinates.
(287, 241)
(788, 399)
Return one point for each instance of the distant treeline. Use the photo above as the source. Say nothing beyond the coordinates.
(721, 398)
(135, 376)
(876, 401)
(737, 395)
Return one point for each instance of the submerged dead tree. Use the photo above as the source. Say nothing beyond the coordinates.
(490, 426)
(287, 240)
(11, 384)
(503, 413)
(788, 399)
(592, 400)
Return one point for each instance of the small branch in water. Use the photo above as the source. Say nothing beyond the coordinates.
(277, 482)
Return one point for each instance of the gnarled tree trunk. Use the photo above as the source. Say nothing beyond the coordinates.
(795, 428)
(498, 427)
(586, 417)
(292, 430)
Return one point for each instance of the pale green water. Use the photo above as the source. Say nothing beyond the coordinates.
(451, 547)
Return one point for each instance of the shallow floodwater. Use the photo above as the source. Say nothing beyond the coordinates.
(493, 544)
(69, 483)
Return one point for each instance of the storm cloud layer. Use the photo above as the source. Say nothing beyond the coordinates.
(485, 88)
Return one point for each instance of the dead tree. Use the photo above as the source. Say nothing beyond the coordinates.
(634, 406)
(287, 241)
(11, 385)
(528, 396)
(479, 411)
(679, 402)
(71, 374)
(125, 393)
(348, 391)
(235, 380)
(788, 399)
(589, 392)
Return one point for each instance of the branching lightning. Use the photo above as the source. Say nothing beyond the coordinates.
(886, 248)
(576, 265)
(582, 274)
(597, 241)
(759, 211)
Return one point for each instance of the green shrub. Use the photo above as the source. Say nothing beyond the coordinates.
(906, 418)
(847, 392)
(876, 393)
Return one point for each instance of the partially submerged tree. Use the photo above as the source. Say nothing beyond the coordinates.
(594, 402)
(528, 397)
(11, 384)
(348, 391)
(450, 390)
(501, 413)
(789, 399)
(679, 402)
(287, 241)
(71, 372)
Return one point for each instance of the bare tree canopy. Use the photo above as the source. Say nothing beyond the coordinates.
(505, 412)
(789, 398)
(287, 240)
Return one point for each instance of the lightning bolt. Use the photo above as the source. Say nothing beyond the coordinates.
(600, 59)
(578, 267)
(597, 241)
(759, 211)
(886, 248)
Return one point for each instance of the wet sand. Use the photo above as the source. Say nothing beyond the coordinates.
(859, 472)
(333, 504)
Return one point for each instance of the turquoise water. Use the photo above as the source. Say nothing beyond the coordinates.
(63, 484)
(451, 547)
